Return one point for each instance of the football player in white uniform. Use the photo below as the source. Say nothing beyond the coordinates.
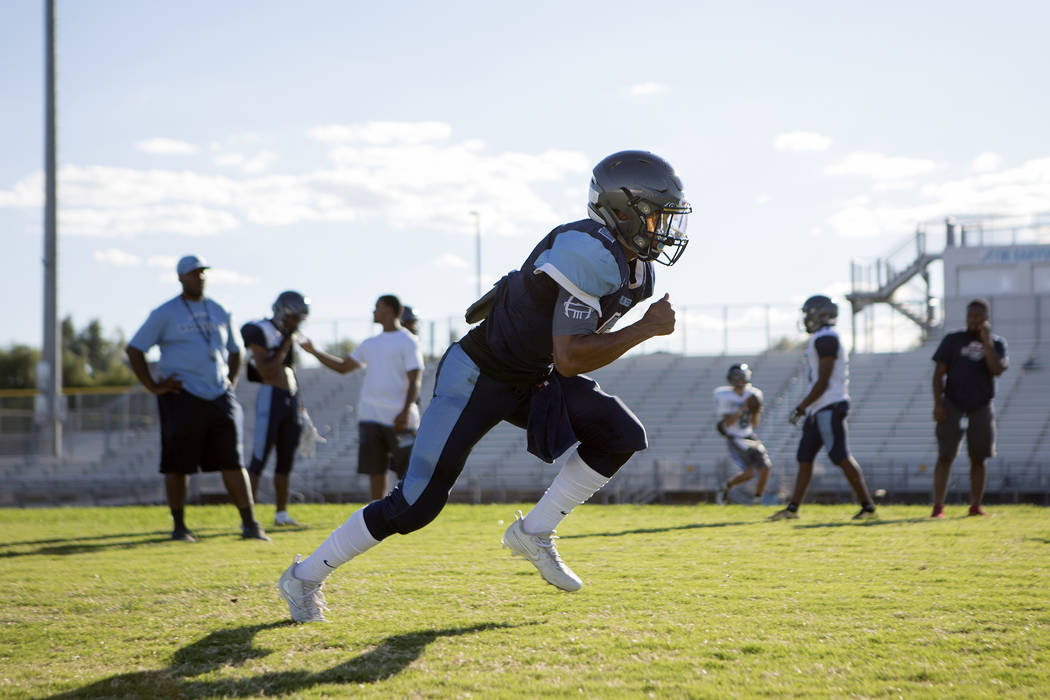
(739, 408)
(825, 408)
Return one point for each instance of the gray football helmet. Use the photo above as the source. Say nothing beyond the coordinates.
(739, 373)
(819, 311)
(638, 197)
(290, 303)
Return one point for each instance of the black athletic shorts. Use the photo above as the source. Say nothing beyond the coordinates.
(980, 432)
(199, 435)
(380, 447)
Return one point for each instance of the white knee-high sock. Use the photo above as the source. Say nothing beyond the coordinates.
(346, 542)
(574, 484)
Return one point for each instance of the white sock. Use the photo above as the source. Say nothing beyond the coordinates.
(574, 484)
(346, 542)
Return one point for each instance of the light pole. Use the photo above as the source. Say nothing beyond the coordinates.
(477, 258)
(51, 360)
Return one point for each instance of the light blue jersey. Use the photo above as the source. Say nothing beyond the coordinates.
(195, 340)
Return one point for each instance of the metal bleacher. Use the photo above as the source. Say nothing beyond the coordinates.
(891, 435)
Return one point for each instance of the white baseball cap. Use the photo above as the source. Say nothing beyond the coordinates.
(189, 263)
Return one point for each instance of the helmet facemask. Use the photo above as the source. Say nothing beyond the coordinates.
(654, 232)
(817, 312)
(639, 199)
(739, 375)
(290, 305)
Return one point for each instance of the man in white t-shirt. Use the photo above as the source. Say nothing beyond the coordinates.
(387, 413)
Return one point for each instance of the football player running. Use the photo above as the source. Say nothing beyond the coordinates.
(543, 326)
(739, 409)
(825, 408)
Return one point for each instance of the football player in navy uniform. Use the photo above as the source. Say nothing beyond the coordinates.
(543, 326)
(825, 408)
(968, 361)
(739, 409)
(278, 413)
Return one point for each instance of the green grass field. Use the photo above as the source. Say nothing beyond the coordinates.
(704, 601)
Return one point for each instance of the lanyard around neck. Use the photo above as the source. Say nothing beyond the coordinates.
(205, 335)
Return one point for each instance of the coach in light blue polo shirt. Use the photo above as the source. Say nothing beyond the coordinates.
(201, 421)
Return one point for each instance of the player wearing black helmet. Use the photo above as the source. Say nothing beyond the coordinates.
(638, 197)
(738, 407)
(542, 326)
(278, 411)
(825, 408)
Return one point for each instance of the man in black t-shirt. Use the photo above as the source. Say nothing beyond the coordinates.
(969, 360)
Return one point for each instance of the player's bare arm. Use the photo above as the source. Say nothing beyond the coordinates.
(415, 378)
(992, 361)
(233, 364)
(576, 354)
(137, 360)
(271, 366)
(754, 405)
(939, 412)
(342, 365)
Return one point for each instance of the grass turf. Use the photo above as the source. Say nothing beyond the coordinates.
(701, 601)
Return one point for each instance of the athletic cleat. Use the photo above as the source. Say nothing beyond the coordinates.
(182, 535)
(254, 532)
(977, 510)
(305, 600)
(784, 515)
(543, 554)
(725, 494)
(865, 515)
(938, 511)
(282, 518)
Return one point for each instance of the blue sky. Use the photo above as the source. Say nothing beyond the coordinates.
(338, 148)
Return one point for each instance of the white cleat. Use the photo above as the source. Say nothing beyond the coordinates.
(305, 600)
(281, 517)
(540, 550)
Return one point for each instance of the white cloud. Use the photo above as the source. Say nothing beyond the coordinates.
(986, 162)
(762, 200)
(450, 261)
(1020, 191)
(186, 219)
(856, 221)
(801, 141)
(382, 133)
(166, 147)
(116, 257)
(408, 175)
(222, 276)
(647, 89)
(880, 167)
(162, 261)
(256, 164)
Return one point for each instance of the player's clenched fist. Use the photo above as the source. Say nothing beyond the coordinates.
(660, 316)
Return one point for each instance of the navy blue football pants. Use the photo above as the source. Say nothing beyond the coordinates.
(278, 424)
(466, 405)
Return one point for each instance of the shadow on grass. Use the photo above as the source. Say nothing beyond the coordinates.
(860, 523)
(97, 543)
(233, 647)
(650, 530)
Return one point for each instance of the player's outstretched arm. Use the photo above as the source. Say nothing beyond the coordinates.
(342, 365)
(575, 354)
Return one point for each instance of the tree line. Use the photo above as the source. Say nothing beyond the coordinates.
(90, 357)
